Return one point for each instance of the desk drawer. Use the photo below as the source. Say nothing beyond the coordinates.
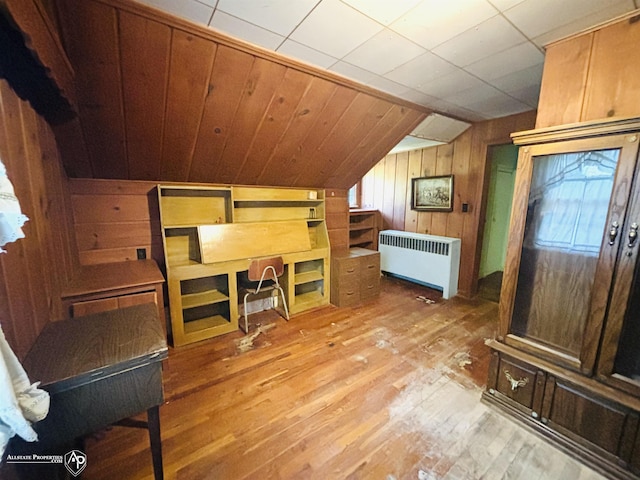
(88, 307)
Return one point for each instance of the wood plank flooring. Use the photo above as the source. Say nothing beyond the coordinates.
(389, 390)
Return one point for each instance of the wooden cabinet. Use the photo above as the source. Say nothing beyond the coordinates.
(356, 277)
(567, 355)
(363, 228)
(108, 286)
(212, 233)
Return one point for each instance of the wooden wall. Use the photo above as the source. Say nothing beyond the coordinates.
(592, 76)
(166, 100)
(387, 187)
(114, 218)
(35, 268)
(337, 216)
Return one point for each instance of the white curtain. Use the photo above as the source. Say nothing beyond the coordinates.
(11, 217)
(21, 402)
(569, 200)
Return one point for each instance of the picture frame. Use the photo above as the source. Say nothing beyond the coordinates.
(432, 194)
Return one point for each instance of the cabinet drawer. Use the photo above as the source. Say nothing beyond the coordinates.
(344, 267)
(370, 263)
(517, 383)
(369, 289)
(349, 296)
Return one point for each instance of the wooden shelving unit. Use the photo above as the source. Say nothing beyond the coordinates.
(211, 234)
(363, 228)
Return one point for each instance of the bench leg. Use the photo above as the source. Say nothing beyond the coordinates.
(153, 419)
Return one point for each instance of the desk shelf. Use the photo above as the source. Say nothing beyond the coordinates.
(193, 300)
(205, 325)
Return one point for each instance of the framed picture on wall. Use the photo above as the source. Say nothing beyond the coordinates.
(432, 194)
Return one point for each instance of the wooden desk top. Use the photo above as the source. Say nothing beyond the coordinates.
(71, 353)
(112, 276)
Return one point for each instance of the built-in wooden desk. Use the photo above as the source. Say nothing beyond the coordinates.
(107, 286)
(99, 370)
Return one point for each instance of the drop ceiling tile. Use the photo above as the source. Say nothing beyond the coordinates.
(537, 17)
(481, 41)
(335, 29)
(499, 106)
(421, 70)
(351, 71)
(450, 84)
(418, 97)
(383, 11)
(278, 16)
(306, 54)
(526, 77)
(511, 60)
(384, 52)
(386, 85)
(503, 5)
(433, 22)
(474, 95)
(211, 3)
(529, 95)
(244, 30)
(187, 9)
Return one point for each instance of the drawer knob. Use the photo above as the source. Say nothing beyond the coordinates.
(515, 384)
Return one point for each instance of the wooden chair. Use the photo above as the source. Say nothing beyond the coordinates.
(265, 272)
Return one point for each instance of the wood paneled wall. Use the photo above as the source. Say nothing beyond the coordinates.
(387, 187)
(592, 76)
(337, 215)
(114, 218)
(35, 268)
(166, 100)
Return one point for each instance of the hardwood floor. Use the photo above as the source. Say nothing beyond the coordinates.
(389, 390)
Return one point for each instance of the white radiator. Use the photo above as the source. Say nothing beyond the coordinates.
(427, 259)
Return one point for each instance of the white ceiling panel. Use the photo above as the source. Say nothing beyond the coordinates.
(335, 28)
(486, 39)
(245, 30)
(383, 11)
(452, 83)
(387, 85)
(496, 107)
(470, 59)
(384, 52)
(524, 78)
(537, 17)
(278, 16)
(433, 22)
(421, 70)
(511, 60)
(191, 10)
(351, 71)
(306, 54)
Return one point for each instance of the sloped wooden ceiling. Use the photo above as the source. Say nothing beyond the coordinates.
(165, 100)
